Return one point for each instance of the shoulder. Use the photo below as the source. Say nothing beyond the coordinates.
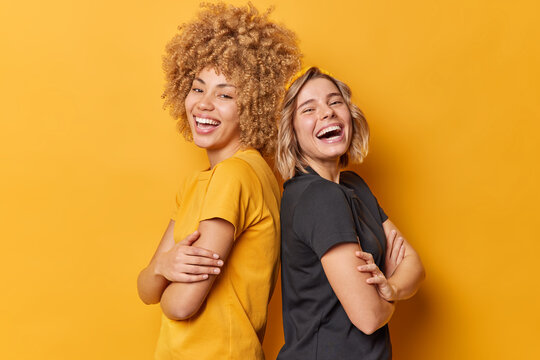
(354, 181)
(234, 168)
(350, 177)
(314, 191)
(236, 173)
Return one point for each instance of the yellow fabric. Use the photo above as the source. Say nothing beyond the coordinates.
(231, 322)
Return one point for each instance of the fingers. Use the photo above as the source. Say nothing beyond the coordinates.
(396, 248)
(367, 257)
(191, 238)
(372, 268)
(187, 278)
(377, 275)
(377, 280)
(401, 254)
(197, 270)
(390, 242)
(199, 260)
(199, 252)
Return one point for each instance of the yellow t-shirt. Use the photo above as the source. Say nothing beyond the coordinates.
(231, 322)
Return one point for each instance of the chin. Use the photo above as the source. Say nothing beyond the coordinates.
(335, 153)
(201, 143)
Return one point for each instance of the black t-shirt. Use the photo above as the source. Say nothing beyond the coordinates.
(317, 214)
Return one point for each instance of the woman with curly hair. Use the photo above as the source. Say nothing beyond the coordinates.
(215, 268)
(341, 310)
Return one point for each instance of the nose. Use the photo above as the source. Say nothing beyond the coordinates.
(205, 102)
(327, 112)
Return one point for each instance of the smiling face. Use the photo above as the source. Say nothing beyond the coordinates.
(322, 123)
(212, 114)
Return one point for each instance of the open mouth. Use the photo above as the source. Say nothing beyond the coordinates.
(330, 132)
(206, 123)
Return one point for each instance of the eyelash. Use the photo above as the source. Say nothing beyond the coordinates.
(224, 96)
(337, 102)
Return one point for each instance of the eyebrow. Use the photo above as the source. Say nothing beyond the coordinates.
(311, 100)
(218, 85)
(304, 103)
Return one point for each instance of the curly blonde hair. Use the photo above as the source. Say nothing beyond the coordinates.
(254, 53)
(289, 157)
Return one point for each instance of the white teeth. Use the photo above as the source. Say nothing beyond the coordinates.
(206, 121)
(327, 130)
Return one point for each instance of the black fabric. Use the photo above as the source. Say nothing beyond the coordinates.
(317, 214)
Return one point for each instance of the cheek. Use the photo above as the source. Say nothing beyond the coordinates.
(348, 120)
(303, 128)
(230, 113)
(235, 120)
(188, 103)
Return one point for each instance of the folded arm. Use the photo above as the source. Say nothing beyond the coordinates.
(180, 301)
(361, 301)
(150, 284)
(410, 273)
(175, 262)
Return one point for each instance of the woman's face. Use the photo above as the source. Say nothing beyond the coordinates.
(322, 122)
(212, 113)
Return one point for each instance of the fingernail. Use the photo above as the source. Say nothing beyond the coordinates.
(216, 271)
(205, 276)
(220, 262)
(216, 256)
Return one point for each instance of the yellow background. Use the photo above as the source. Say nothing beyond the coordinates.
(90, 164)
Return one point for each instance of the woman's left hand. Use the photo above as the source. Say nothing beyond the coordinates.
(384, 288)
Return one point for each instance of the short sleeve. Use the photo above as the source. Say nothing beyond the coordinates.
(177, 202)
(323, 218)
(353, 180)
(233, 194)
(384, 217)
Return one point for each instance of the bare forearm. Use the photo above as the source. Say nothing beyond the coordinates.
(361, 301)
(375, 312)
(180, 301)
(151, 285)
(381, 312)
(408, 276)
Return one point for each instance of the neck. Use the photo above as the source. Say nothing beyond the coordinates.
(217, 156)
(328, 170)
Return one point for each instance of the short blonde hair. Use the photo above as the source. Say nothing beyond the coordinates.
(289, 157)
(254, 53)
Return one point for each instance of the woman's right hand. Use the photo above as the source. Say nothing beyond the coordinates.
(385, 289)
(186, 263)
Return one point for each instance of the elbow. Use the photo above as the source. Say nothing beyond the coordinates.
(178, 309)
(147, 300)
(421, 273)
(368, 326)
(371, 321)
(368, 330)
(177, 313)
(147, 297)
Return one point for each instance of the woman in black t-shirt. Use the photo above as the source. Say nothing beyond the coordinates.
(344, 263)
